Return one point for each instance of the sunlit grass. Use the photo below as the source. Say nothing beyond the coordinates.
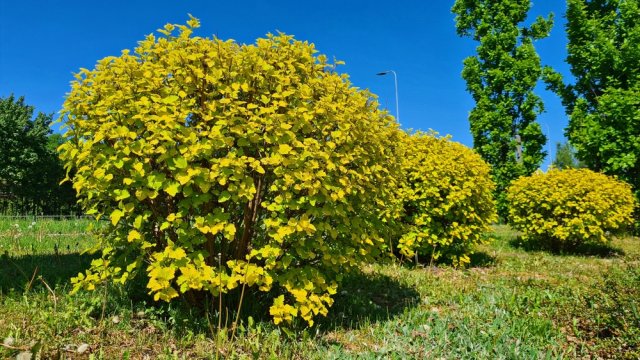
(33, 235)
(512, 303)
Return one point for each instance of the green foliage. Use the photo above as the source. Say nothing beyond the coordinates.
(603, 104)
(565, 157)
(501, 78)
(447, 199)
(21, 145)
(567, 208)
(222, 166)
(30, 170)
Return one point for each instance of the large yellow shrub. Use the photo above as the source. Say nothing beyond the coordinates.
(222, 165)
(563, 208)
(447, 198)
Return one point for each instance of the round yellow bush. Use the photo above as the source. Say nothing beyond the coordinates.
(447, 198)
(222, 166)
(564, 208)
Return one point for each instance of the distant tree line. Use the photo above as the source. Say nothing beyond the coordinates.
(566, 157)
(30, 170)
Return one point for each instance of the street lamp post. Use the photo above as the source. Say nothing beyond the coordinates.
(395, 79)
(549, 143)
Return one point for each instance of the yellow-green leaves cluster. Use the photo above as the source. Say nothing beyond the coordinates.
(222, 165)
(569, 207)
(447, 198)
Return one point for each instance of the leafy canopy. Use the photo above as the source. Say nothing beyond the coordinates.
(501, 78)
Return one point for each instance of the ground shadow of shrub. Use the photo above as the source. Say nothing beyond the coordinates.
(363, 299)
(478, 259)
(55, 269)
(568, 249)
(481, 259)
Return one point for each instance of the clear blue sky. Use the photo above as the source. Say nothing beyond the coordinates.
(42, 42)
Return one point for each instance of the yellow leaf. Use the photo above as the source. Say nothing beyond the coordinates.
(284, 149)
(172, 189)
(115, 216)
(180, 162)
(229, 231)
(137, 223)
(177, 253)
(139, 168)
(133, 236)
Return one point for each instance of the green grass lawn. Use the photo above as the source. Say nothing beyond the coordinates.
(513, 303)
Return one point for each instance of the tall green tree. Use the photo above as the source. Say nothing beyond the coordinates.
(603, 103)
(501, 78)
(566, 157)
(30, 170)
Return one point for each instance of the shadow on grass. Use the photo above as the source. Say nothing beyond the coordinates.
(478, 259)
(363, 299)
(481, 259)
(585, 249)
(19, 271)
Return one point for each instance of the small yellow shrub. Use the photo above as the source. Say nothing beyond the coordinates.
(569, 207)
(447, 198)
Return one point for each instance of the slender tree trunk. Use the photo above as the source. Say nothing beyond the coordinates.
(250, 216)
